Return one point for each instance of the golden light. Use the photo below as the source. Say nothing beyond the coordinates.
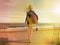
(57, 8)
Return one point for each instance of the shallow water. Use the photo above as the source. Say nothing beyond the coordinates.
(44, 36)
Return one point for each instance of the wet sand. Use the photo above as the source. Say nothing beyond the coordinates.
(44, 36)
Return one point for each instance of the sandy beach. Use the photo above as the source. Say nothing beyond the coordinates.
(19, 36)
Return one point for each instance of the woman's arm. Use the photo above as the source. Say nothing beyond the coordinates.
(26, 19)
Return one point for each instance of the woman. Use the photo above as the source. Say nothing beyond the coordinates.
(31, 20)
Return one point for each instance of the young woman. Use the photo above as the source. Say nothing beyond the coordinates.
(31, 20)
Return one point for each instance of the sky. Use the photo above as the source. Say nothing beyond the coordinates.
(12, 11)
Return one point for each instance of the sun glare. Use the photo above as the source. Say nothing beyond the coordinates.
(57, 8)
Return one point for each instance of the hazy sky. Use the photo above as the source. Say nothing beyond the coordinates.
(12, 11)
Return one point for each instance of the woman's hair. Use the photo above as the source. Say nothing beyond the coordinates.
(28, 8)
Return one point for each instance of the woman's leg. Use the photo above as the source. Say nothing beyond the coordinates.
(30, 30)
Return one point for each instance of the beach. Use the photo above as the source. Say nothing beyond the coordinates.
(46, 35)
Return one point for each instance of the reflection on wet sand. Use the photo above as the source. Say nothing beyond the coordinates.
(46, 35)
